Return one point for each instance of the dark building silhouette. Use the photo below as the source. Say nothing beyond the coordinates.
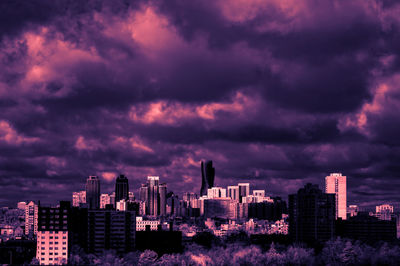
(159, 241)
(311, 215)
(93, 192)
(268, 210)
(111, 230)
(121, 188)
(367, 228)
(207, 177)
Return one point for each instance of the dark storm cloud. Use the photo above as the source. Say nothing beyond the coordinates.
(275, 93)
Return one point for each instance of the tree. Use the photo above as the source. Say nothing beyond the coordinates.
(148, 257)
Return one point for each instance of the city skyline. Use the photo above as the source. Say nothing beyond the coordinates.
(276, 94)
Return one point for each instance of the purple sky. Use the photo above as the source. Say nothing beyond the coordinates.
(276, 93)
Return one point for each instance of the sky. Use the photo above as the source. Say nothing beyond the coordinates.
(277, 93)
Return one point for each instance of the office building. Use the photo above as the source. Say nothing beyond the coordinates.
(111, 229)
(233, 192)
(219, 208)
(267, 210)
(311, 215)
(207, 177)
(78, 198)
(31, 219)
(93, 192)
(154, 195)
(121, 188)
(335, 183)
(162, 199)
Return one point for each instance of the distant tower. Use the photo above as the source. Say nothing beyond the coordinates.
(244, 190)
(31, 218)
(93, 192)
(152, 196)
(207, 177)
(336, 184)
(121, 188)
(163, 199)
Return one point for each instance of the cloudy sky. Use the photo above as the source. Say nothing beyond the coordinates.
(277, 93)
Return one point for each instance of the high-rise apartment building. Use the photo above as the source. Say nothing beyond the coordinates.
(78, 198)
(52, 238)
(93, 192)
(111, 229)
(31, 219)
(311, 215)
(216, 192)
(162, 188)
(384, 212)
(335, 183)
(154, 195)
(121, 188)
(244, 190)
(207, 177)
(233, 192)
(105, 199)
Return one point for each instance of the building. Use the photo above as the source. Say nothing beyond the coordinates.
(93, 192)
(31, 219)
(207, 177)
(335, 183)
(233, 192)
(131, 196)
(384, 212)
(21, 205)
(105, 199)
(111, 229)
(219, 208)
(141, 224)
(121, 188)
(367, 228)
(52, 237)
(154, 195)
(216, 192)
(162, 197)
(267, 210)
(259, 193)
(121, 205)
(78, 198)
(244, 190)
(352, 210)
(311, 215)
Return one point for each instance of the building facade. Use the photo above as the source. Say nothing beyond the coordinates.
(93, 192)
(207, 177)
(335, 183)
(31, 219)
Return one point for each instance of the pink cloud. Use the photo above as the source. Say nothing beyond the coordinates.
(11, 136)
(83, 144)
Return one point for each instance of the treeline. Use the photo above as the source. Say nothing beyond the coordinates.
(334, 252)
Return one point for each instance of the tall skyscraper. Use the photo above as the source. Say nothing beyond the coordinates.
(121, 188)
(207, 177)
(93, 192)
(311, 215)
(31, 219)
(152, 206)
(335, 183)
(244, 190)
(163, 199)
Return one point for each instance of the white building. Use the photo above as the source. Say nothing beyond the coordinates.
(52, 247)
(21, 205)
(335, 183)
(259, 193)
(384, 212)
(233, 192)
(121, 205)
(216, 192)
(31, 218)
(104, 200)
(141, 224)
(78, 197)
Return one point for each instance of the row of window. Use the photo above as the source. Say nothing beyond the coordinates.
(56, 232)
(51, 248)
(52, 211)
(55, 253)
(54, 227)
(55, 243)
(56, 237)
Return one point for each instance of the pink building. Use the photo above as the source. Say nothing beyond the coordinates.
(335, 183)
(52, 247)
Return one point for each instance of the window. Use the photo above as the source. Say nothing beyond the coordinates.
(42, 258)
(51, 253)
(51, 237)
(51, 248)
(56, 248)
(42, 253)
(51, 243)
(42, 237)
(50, 258)
(42, 243)
(64, 237)
(56, 237)
(56, 253)
(64, 243)
(64, 232)
(42, 248)
(64, 253)
(55, 243)
(64, 248)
